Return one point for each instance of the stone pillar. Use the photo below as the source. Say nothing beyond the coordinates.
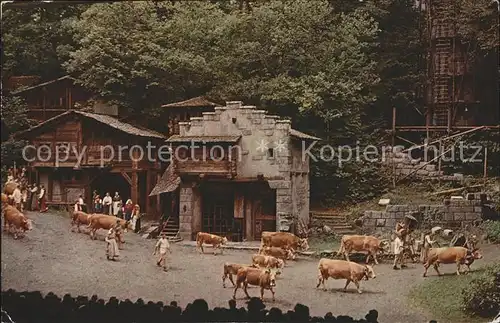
(185, 212)
(284, 216)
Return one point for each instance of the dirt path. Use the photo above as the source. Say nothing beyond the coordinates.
(51, 258)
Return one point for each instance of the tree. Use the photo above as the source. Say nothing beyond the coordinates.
(36, 40)
(296, 58)
(14, 119)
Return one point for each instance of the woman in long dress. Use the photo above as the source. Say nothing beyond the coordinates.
(129, 207)
(136, 218)
(33, 198)
(116, 201)
(111, 245)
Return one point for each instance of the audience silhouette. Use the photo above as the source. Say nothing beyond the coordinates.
(27, 307)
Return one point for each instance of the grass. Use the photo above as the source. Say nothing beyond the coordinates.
(442, 296)
(320, 243)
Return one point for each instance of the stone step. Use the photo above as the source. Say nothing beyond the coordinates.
(345, 232)
(172, 231)
(341, 227)
(332, 221)
(326, 214)
(336, 218)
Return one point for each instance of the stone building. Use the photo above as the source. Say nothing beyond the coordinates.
(236, 172)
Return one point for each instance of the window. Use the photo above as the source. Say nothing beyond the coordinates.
(270, 152)
(182, 153)
(44, 151)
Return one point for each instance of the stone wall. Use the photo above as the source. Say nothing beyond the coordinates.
(286, 171)
(185, 211)
(406, 165)
(452, 213)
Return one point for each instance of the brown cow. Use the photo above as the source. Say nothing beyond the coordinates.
(207, 238)
(284, 254)
(80, 217)
(230, 270)
(106, 222)
(450, 255)
(9, 188)
(283, 240)
(5, 199)
(341, 269)
(268, 262)
(264, 278)
(369, 244)
(14, 218)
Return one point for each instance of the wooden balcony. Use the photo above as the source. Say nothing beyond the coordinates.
(209, 167)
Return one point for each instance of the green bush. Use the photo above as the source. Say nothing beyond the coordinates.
(481, 296)
(492, 230)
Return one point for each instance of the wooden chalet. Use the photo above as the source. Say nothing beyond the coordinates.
(49, 99)
(92, 136)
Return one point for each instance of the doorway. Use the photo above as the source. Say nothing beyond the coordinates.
(264, 209)
(111, 183)
(218, 209)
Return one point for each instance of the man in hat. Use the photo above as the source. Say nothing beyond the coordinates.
(399, 244)
(428, 243)
(162, 246)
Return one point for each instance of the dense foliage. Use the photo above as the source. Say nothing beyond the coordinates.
(492, 230)
(481, 296)
(335, 67)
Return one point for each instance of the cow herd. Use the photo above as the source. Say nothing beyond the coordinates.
(278, 247)
(275, 249)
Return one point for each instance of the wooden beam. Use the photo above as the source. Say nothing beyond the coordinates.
(454, 190)
(128, 179)
(50, 189)
(158, 201)
(148, 190)
(408, 141)
(134, 188)
(446, 138)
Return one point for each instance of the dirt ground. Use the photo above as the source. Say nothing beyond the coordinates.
(51, 258)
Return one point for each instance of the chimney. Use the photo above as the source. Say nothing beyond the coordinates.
(106, 109)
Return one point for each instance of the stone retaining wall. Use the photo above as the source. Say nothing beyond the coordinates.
(452, 213)
(406, 165)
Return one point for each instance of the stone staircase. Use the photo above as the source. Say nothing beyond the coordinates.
(335, 221)
(171, 229)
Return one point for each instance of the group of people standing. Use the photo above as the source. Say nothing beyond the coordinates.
(114, 206)
(404, 243)
(24, 196)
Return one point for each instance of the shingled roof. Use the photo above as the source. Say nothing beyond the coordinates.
(168, 182)
(199, 101)
(205, 139)
(301, 135)
(66, 77)
(104, 119)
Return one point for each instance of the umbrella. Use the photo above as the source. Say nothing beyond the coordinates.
(410, 217)
(436, 229)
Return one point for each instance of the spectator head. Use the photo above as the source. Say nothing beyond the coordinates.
(255, 304)
(372, 316)
(232, 304)
(301, 312)
(173, 303)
